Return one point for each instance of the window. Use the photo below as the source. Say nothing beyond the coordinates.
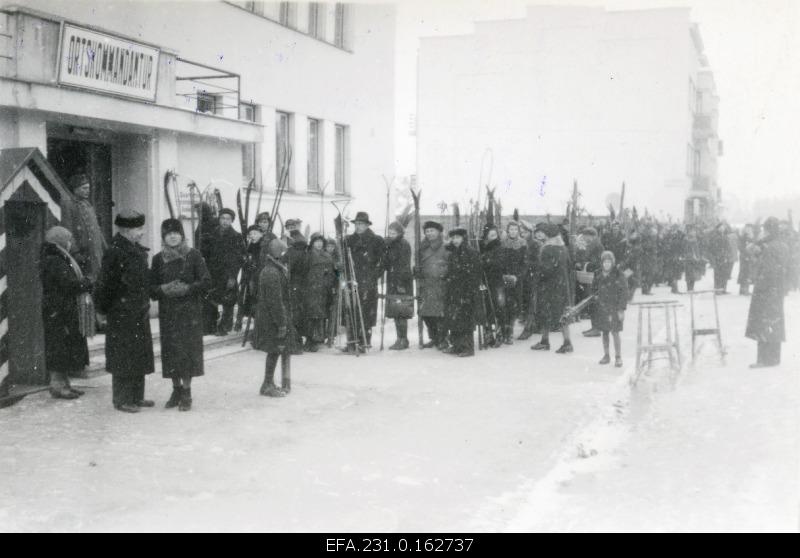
(313, 19)
(284, 14)
(341, 168)
(314, 129)
(283, 144)
(255, 7)
(339, 33)
(206, 102)
(247, 112)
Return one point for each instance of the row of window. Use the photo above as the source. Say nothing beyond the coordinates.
(284, 141)
(307, 17)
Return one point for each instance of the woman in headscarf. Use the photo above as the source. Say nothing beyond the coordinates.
(67, 312)
(178, 280)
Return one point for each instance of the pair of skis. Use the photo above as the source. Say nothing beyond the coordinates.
(348, 301)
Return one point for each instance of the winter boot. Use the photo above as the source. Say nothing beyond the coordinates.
(145, 403)
(525, 335)
(541, 346)
(565, 348)
(592, 333)
(127, 408)
(186, 400)
(268, 388)
(618, 361)
(508, 338)
(429, 345)
(605, 360)
(174, 399)
(399, 345)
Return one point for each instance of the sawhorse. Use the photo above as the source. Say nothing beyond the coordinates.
(671, 344)
(698, 332)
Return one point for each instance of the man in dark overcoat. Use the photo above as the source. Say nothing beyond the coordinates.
(366, 249)
(462, 281)
(399, 279)
(553, 290)
(123, 295)
(296, 260)
(431, 285)
(765, 321)
(225, 259)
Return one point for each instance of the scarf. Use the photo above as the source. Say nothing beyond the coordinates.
(86, 313)
(514, 244)
(177, 253)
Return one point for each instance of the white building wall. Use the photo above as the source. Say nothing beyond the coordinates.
(281, 69)
(598, 97)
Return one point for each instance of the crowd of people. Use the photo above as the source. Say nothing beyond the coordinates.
(287, 288)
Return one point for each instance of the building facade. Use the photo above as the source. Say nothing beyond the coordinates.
(566, 94)
(217, 92)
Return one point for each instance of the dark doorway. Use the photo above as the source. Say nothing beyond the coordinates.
(70, 157)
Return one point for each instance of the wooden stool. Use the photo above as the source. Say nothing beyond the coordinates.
(645, 352)
(697, 332)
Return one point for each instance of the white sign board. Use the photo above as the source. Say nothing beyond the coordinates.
(101, 62)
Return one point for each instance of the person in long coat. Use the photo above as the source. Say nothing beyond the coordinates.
(611, 289)
(225, 259)
(431, 285)
(367, 250)
(532, 272)
(273, 332)
(746, 241)
(320, 280)
(765, 321)
(462, 281)
(587, 258)
(495, 267)
(296, 261)
(649, 258)
(672, 257)
(65, 296)
(720, 257)
(178, 280)
(80, 218)
(516, 252)
(123, 295)
(399, 279)
(553, 290)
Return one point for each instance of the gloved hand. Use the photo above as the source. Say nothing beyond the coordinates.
(174, 289)
(510, 280)
(231, 283)
(621, 315)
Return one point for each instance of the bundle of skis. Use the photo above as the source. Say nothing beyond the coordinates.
(348, 311)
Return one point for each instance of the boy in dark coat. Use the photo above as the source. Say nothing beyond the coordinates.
(226, 255)
(399, 280)
(178, 281)
(123, 294)
(431, 284)
(552, 290)
(274, 327)
(462, 280)
(65, 300)
(611, 290)
(532, 271)
(367, 251)
(765, 321)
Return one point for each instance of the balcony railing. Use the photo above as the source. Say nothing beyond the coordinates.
(208, 90)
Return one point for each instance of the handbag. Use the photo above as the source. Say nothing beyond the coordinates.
(399, 306)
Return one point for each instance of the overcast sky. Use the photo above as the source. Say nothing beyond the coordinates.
(753, 47)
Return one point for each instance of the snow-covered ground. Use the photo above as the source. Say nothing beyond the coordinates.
(418, 440)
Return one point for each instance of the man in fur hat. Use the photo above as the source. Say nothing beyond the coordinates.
(553, 290)
(123, 294)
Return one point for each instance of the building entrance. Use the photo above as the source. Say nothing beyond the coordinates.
(69, 157)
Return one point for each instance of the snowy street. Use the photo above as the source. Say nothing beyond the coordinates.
(422, 441)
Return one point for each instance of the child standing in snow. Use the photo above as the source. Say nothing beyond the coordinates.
(611, 289)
